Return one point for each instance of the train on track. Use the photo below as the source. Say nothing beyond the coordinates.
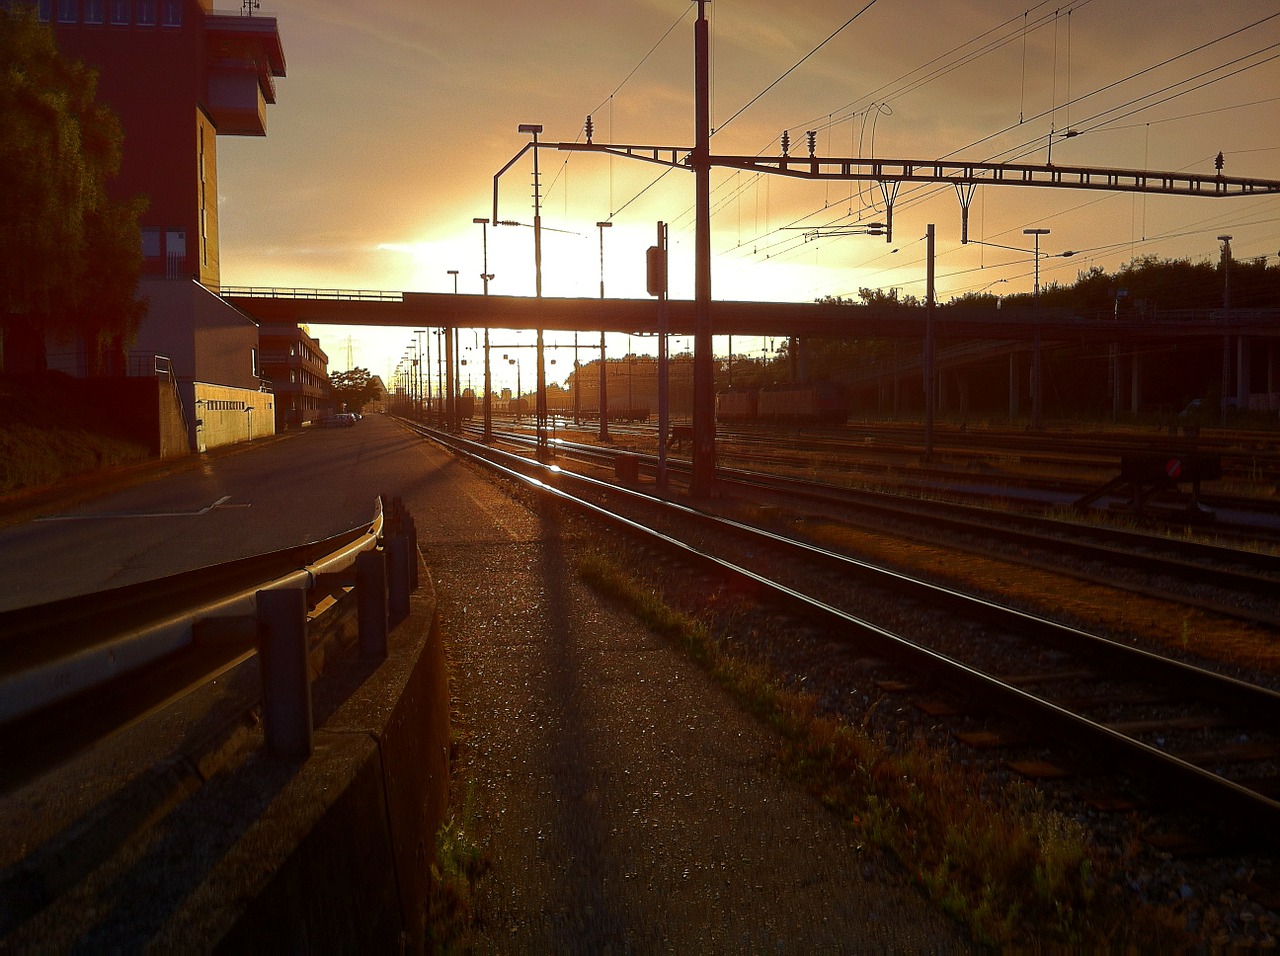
(825, 402)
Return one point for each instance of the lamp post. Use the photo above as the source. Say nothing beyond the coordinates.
(485, 276)
(413, 355)
(439, 333)
(410, 364)
(419, 333)
(604, 370)
(451, 358)
(1037, 393)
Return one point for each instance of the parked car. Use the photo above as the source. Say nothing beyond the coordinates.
(1197, 405)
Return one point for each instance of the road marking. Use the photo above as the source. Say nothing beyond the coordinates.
(220, 503)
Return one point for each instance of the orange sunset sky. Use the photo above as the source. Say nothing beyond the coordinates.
(396, 114)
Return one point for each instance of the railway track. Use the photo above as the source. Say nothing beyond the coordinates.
(1037, 471)
(1241, 583)
(1207, 738)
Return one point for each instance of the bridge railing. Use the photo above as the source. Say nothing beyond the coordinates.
(334, 295)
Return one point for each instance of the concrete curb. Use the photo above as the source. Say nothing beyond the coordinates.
(340, 858)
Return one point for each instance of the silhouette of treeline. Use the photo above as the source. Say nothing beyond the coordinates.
(1076, 376)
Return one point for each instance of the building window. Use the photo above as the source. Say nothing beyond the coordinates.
(147, 13)
(151, 243)
(67, 11)
(93, 11)
(173, 13)
(120, 12)
(254, 359)
(175, 249)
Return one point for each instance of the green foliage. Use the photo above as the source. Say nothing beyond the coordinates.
(70, 256)
(459, 865)
(353, 389)
(50, 429)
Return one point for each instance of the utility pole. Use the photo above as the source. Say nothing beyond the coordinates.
(704, 399)
(930, 377)
(540, 401)
(1037, 381)
(657, 284)
(488, 382)
(1226, 319)
(604, 369)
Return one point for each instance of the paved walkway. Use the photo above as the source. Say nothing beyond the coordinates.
(626, 804)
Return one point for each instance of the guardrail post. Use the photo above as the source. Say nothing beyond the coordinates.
(398, 576)
(411, 532)
(371, 603)
(286, 679)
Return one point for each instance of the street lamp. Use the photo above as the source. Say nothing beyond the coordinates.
(413, 355)
(604, 370)
(485, 276)
(419, 333)
(1037, 395)
(451, 360)
(533, 129)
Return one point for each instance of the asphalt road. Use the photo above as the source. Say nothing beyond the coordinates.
(249, 500)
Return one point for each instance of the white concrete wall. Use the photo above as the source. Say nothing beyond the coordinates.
(228, 415)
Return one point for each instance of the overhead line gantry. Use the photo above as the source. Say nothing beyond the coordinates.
(963, 174)
(889, 173)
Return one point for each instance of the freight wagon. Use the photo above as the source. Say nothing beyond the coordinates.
(825, 402)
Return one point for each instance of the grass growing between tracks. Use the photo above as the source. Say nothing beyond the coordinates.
(1114, 611)
(1010, 870)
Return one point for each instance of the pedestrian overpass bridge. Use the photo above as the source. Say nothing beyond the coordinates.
(817, 320)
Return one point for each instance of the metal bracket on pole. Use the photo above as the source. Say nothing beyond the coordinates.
(964, 192)
(889, 190)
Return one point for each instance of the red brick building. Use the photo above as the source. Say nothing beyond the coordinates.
(179, 75)
(299, 372)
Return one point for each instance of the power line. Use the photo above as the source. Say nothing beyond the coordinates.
(794, 67)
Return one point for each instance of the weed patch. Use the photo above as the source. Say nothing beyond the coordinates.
(459, 864)
(1009, 869)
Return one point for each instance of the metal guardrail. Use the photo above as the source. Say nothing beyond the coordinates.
(333, 295)
(39, 671)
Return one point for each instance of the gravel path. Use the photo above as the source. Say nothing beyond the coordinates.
(624, 802)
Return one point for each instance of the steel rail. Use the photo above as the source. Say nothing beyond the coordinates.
(1230, 799)
(38, 671)
(1198, 561)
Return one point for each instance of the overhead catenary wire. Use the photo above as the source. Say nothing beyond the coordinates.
(920, 193)
(735, 187)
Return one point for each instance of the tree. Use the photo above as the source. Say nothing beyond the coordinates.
(70, 256)
(353, 389)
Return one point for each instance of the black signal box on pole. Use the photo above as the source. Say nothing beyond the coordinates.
(656, 270)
